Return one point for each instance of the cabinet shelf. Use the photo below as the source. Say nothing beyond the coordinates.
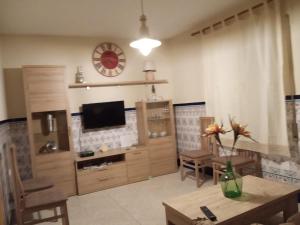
(158, 119)
(120, 83)
(160, 137)
(93, 168)
(58, 151)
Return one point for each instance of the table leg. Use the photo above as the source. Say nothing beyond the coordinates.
(215, 174)
(197, 173)
(291, 207)
(258, 167)
(181, 169)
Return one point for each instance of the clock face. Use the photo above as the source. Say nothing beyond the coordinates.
(109, 59)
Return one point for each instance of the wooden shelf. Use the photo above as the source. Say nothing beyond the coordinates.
(90, 169)
(58, 151)
(110, 152)
(121, 83)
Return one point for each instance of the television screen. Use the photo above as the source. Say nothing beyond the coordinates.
(105, 114)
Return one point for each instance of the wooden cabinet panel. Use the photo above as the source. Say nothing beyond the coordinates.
(137, 165)
(138, 171)
(156, 129)
(92, 180)
(45, 88)
(163, 166)
(68, 187)
(59, 168)
(46, 94)
(57, 174)
(162, 151)
(162, 158)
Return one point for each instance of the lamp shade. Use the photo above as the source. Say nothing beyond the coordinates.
(149, 66)
(145, 45)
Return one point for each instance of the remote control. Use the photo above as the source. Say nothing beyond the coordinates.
(208, 213)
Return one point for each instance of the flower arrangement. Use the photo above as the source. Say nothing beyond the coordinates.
(238, 130)
(231, 182)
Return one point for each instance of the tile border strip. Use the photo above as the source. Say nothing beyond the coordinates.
(292, 97)
(22, 119)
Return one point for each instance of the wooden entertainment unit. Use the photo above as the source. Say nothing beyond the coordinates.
(155, 155)
(120, 166)
(51, 143)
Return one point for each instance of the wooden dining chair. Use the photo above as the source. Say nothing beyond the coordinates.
(198, 159)
(34, 184)
(245, 162)
(26, 204)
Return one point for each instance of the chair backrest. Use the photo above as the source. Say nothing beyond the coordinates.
(18, 189)
(247, 154)
(206, 143)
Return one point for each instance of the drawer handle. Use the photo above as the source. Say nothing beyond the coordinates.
(137, 153)
(104, 179)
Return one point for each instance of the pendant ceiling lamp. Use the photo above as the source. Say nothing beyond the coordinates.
(144, 44)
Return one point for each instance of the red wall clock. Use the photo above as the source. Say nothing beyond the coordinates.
(109, 59)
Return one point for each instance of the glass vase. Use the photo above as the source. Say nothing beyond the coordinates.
(231, 182)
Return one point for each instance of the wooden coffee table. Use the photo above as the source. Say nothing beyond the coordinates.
(261, 199)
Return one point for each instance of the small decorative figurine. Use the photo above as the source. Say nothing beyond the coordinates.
(79, 75)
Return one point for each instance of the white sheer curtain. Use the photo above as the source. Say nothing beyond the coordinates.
(242, 65)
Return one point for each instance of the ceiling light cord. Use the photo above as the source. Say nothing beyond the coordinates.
(142, 7)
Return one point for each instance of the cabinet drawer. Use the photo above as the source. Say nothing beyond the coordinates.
(94, 180)
(136, 155)
(163, 166)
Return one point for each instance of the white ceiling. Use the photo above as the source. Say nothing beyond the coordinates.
(106, 18)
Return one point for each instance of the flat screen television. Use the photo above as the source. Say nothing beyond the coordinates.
(104, 114)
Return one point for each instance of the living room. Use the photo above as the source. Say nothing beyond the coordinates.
(216, 60)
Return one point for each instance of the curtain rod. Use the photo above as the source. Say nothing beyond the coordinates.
(230, 18)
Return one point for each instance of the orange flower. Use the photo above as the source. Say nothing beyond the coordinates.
(239, 130)
(215, 130)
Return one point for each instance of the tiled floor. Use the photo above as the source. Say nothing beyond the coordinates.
(135, 204)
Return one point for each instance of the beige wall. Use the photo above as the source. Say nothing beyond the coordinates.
(3, 114)
(294, 10)
(72, 52)
(188, 86)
